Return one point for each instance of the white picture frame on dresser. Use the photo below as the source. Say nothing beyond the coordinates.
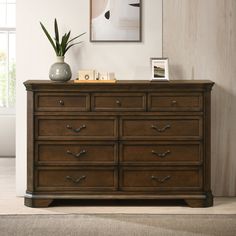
(159, 69)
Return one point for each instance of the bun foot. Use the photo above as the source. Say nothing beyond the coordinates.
(207, 202)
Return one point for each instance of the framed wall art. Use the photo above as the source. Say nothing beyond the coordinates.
(159, 69)
(115, 20)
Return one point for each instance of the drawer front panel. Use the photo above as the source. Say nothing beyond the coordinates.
(179, 102)
(149, 179)
(76, 179)
(76, 153)
(76, 127)
(151, 153)
(160, 128)
(118, 102)
(62, 102)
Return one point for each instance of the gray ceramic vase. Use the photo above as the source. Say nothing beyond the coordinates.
(60, 71)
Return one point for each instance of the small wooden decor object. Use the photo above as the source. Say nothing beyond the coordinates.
(94, 81)
(92, 76)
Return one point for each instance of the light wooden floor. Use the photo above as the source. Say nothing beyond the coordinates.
(10, 204)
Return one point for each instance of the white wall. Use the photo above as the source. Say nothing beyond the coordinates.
(7, 135)
(34, 54)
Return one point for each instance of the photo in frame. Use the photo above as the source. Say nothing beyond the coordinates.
(159, 69)
(115, 20)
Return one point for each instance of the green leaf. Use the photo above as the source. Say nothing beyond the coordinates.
(49, 38)
(56, 34)
(63, 44)
(77, 37)
(67, 37)
(60, 47)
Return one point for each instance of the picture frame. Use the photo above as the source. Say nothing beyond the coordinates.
(159, 69)
(115, 21)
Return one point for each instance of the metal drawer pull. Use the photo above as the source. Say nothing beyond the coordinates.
(118, 102)
(61, 102)
(161, 155)
(160, 130)
(77, 130)
(160, 180)
(174, 102)
(77, 155)
(75, 180)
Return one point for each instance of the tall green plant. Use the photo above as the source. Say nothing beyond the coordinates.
(60, 46)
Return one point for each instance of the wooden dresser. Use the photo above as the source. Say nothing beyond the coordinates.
(128, 140)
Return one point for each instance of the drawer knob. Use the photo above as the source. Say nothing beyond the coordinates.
(75, 180)
(61, 102)
(161, 130)
(159, 179)
(118, 102)
(77, 155)
(161, 155)
(174, 102)
(76, 130)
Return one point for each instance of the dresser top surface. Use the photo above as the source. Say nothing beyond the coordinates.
(120, 84)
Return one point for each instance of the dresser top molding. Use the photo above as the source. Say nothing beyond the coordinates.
(125, 84)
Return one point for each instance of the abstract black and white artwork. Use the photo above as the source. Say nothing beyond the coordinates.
(115, 20)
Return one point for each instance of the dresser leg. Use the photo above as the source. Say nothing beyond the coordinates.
(207, 202)
(37, 203)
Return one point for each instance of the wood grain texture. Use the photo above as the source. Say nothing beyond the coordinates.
(176, 122)
(199, 37)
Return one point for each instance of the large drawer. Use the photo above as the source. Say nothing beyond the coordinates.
(76, 179)
(157, 179)
(169, 127)
(175, 102)
(76, 153)
(159, 153)
(62, 102)
(76, 127)
(118, 102)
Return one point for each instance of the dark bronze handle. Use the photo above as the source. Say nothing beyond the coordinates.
(61, 102)
(161, 130)
(118, 102)
(161, 155)
(77, 130)
(75, 180)
(160, 180)
(77, 155)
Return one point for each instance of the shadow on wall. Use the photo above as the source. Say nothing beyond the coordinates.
(176, 72)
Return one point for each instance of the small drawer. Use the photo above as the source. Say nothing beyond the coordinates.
(76, 127)
(118, 102)
(151, 179)
(176, 102)
(62, 102)
(76, 179)
(149, 128)
(150, 153)
(76, 153)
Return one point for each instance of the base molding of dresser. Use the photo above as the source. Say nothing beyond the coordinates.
(40, 201)
(37, 202)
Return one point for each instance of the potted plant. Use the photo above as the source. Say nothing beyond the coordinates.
(60, 71)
